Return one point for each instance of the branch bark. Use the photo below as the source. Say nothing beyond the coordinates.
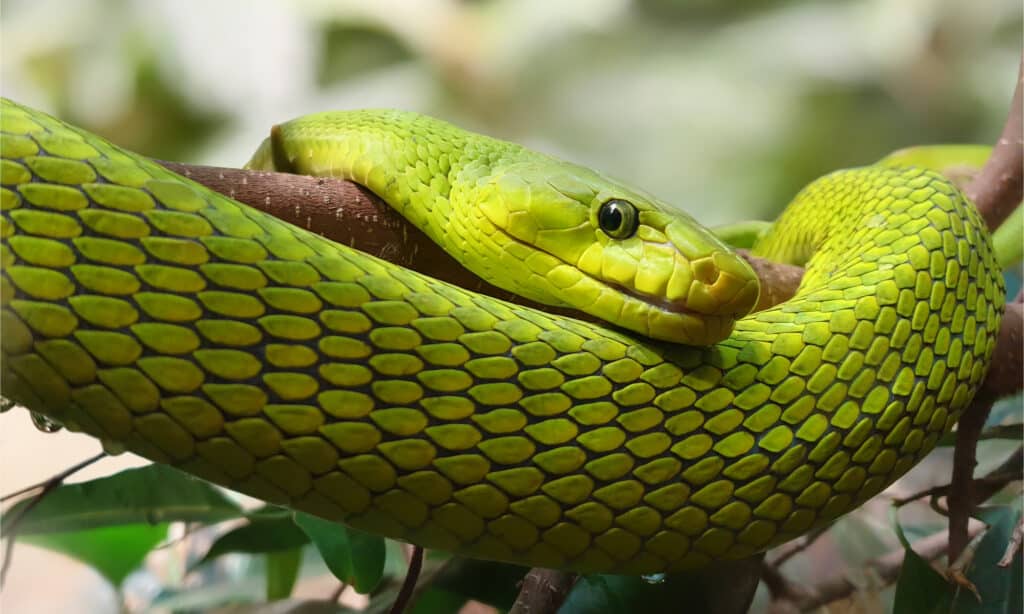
(352, 215)
(543, 590)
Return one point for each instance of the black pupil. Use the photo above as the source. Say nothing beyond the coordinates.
(611, 217)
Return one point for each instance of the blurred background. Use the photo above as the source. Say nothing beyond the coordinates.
(724, 108)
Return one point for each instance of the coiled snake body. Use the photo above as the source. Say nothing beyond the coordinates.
(176, 323)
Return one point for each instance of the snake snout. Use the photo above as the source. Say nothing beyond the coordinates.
(722, 285)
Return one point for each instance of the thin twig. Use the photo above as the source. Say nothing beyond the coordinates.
(542, 591)
(784, 593)
(336, 595)
(957, 570)
(797, 546)
(1013, 547)
(984, 487)
(411, 576)
(961, 497)
(46, 487)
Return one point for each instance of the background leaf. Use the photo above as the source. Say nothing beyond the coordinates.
(260, 535)
(919, 588)
(353, 557)
(282, 572)
(148, 495)
(1000, 588)
(485, 581)
(112, 551)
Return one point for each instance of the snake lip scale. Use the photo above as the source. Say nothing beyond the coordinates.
(171, 321)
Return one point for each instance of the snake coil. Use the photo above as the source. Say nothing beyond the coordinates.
(150, 312)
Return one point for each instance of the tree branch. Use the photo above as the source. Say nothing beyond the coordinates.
(543, 590)
(352, 215)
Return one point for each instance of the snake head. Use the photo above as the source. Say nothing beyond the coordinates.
(593, 244)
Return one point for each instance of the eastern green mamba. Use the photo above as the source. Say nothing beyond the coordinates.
(174, 322)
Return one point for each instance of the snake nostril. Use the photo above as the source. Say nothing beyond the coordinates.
(705, 271)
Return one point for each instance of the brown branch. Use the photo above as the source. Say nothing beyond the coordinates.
(350, 214)
(543, 591)
(779, 282)
(999, 187)
(409, 584)
(961, 496)
(1006, 368)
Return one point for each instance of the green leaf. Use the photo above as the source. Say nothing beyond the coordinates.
(485, 581)
(282, 572)
(1000, 588)
(112, 551)
(353, 557)
(920, 588)
(438, 601)
(726, 586)
(260, 535)
(147, 495)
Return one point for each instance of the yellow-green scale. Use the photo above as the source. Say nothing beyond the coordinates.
(146, 310)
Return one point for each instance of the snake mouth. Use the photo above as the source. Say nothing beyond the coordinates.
(657, 317)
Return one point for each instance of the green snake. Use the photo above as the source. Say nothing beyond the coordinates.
(174, 322)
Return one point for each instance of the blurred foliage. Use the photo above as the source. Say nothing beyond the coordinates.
(725, 108)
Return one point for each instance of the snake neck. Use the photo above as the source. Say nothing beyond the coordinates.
(409, 160)
(434, 175)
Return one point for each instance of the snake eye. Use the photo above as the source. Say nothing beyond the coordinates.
(618, 218)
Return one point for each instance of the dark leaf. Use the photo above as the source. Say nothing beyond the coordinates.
(260, 535)
(726, 586)
(438, 601)
(920, 588)
(282, 572)
(1000, 588)
(353, 557)
(495, 584)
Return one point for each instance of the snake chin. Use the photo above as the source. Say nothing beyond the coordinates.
(651, 316)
